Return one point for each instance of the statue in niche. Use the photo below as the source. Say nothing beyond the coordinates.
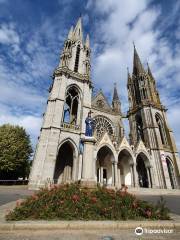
(89, 125)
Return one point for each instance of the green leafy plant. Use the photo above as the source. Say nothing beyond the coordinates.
(15, 151)
(71, 202)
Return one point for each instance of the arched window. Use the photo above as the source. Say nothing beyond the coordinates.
(161, 127)
(139, 128)
(77, 59)
(71, 106)
(171, 172)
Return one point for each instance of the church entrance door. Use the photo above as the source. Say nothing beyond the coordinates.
(104, 166)
(144, 175)
(64, 164)
(125, 173)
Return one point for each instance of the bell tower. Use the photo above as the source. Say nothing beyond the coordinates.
(64, 120)
(148, 122)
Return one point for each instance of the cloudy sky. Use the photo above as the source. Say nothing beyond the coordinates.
(31, 38)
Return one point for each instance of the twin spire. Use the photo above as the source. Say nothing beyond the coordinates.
(77, 33)
(138, 67)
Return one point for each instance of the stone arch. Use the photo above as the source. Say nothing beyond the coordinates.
(104, 165)
(75, 86)
(171, 172)
(125, 167)
(162, 128)
(72, 142)
(111, 147)
(65, 162)
(143, 168)
(72, 105)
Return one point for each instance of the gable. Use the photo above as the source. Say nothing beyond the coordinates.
(100, 102)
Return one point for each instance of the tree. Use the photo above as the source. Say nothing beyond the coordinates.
(15, 152)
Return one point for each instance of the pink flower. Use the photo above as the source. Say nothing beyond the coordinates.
(134, 204)
(34, 197)
(148, 213)
(94, 199)
(75, 198)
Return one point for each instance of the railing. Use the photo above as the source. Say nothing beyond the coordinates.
(70, 126)
(14, 182)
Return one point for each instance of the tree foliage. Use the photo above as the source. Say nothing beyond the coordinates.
(15, 152)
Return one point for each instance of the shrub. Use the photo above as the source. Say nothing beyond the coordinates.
(71, 202)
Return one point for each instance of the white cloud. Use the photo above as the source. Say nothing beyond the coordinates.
(126, 21)
(31, 123)
(9, 36)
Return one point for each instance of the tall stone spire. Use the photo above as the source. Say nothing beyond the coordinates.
(78, 34)
(149, 71)
(115, 95)
(70, 34)
(129, 79)
(137, 65)
(87, 42)
(116, 105)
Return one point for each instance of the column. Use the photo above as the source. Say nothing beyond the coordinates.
(80, 167)
(149, 180)
(152, 176)
(119, 176)
(132, 175)
(112, 173)
(116, 175)
(135, 176)
(101, 175)
(88, 174)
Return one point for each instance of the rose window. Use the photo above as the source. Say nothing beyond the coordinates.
(101, 126)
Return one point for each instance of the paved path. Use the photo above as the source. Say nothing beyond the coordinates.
(81, 235)
(172, 201)
(13, 193)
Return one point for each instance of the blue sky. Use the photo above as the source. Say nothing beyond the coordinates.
(32, 33)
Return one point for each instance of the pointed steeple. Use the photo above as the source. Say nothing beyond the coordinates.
(149, 71)
(78, 34)
(115, 94)
(116, 105)
(128, 77)
(70, 34)
(137, 65)
(87, 42)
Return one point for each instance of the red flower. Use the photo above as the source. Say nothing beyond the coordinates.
(148, 213)
(18, 203)
(94, 199)
(75, 198)
(34, 197)
(134, 205)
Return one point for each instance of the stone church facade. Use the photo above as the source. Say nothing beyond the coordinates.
(64, 154)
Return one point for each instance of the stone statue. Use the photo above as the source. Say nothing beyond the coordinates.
(89, 125)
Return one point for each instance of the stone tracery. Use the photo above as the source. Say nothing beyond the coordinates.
(102, 125)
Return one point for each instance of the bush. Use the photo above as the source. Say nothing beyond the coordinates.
(71, 202)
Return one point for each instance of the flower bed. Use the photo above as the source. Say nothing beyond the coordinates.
(71, 202)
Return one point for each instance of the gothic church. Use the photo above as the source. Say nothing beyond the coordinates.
(64, 154)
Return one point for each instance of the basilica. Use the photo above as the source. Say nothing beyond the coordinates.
(64, 154)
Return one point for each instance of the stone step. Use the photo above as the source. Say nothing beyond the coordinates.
(154, 191)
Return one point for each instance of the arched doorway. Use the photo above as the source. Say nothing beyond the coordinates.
(171, 172)
(125, 173)
(64, 163)
(143, 170)
(104, 166)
